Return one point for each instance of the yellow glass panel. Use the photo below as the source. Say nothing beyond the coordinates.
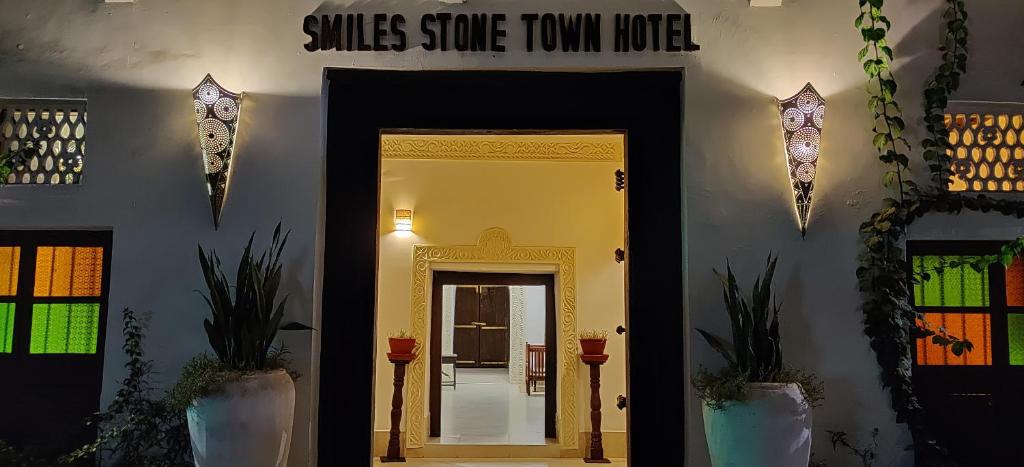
(9, 261)
(63, 271)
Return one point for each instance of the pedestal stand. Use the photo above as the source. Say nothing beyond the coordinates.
(596, 446)
(394, 441)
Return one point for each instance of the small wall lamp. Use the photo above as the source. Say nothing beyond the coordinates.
(803, 117)
(403, 220)
(217, 111)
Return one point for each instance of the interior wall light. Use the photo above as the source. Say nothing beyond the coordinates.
(403, 220)
(217, 111)
(803, 117)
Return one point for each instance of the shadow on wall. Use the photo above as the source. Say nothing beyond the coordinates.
(144, 179)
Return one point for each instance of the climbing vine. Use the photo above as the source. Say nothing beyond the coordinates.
(890, 321)
(938, 90)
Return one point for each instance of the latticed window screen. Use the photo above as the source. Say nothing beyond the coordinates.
(54, 129)
(987, 150)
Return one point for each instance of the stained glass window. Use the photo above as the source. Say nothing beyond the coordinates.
(959, 286)
(1015, 330)
(1015, 283)
(10, 256)
(65, 328)
(975, 327)
(6, 327)
(64, 271)
(51, 135)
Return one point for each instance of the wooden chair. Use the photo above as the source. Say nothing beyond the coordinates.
(535, 358)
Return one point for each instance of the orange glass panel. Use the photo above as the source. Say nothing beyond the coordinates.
(975, 327)
(1015, 283)
(64, 271)
(9, 260)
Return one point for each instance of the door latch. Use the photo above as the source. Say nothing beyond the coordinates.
(620, 255)
(620, 329)
(621, 404)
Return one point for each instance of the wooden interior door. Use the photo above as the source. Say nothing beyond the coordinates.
(494, 314)
(466, 337)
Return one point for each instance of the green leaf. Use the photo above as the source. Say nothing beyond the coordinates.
(880, 140)
(722, 347)
(889, 178)
(294, 326)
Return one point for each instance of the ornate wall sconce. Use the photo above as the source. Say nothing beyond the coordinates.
(403, 220)
(803, 117)
(217, 111)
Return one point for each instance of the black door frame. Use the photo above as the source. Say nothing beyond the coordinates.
(647, 105)
(443, 278)
(75, 379)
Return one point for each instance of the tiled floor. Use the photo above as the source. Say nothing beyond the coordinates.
(485, 408)
(502, 463)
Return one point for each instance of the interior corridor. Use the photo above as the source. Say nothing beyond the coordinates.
(485, 408)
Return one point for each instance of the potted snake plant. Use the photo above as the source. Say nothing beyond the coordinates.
(757, 412)
(240, 403)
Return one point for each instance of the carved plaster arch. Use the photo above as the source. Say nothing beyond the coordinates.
(495, 247)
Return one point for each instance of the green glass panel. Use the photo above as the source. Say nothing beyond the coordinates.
(1015, 327)
(65, 328)
(6, 327)
(958, 286)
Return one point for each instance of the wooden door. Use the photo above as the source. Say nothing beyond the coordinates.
(466, 338)
(494, 314)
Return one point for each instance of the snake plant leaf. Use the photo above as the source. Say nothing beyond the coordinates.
(721, 346)
(293, 326)
(245, 316)
(756, 350)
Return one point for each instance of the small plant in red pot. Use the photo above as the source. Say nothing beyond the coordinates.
(402, 343)
(593, 341)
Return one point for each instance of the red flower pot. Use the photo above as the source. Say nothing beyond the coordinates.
(593, 346)
(402, 345)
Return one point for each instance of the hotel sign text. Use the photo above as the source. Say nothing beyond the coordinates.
(488, 32)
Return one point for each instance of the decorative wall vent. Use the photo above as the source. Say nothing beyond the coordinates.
(987, 147)
(53, 132)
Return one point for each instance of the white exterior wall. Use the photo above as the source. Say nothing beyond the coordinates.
(136, 63)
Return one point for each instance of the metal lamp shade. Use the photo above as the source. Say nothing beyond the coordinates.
(803, 117)
(217, 111)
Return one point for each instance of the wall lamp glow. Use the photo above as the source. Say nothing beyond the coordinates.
(217, 111)
(403, 220)
(803, 117)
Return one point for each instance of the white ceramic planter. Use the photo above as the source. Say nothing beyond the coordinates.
(770, 429)
(248, 424)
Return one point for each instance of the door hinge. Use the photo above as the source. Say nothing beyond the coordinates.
(620, 180)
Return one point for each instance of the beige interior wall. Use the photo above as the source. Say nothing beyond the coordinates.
(564, 204)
